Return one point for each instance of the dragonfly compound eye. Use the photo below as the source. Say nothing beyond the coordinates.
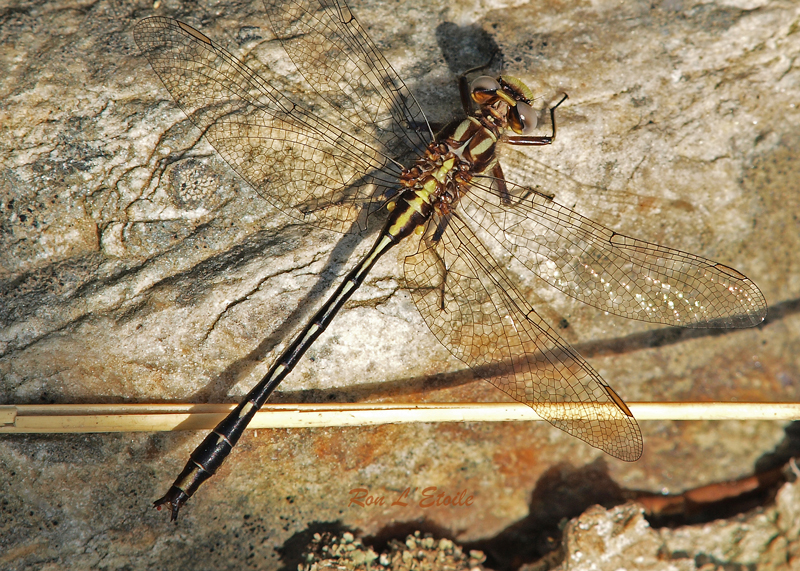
(522, 118)
(483, 89)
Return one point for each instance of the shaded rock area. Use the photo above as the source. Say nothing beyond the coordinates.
(136, 267)
(766, 538)
(599, 539)
(417, 553)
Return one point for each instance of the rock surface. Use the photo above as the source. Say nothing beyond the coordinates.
(136, 267)
(621, 538)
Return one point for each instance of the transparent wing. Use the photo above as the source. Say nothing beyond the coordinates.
(478, 314)
(338, 59)
(302, 164)
(610, 271)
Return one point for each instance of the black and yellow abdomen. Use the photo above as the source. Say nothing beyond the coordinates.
(426, 184)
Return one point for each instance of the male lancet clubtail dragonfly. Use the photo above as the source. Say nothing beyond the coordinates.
(339, 171)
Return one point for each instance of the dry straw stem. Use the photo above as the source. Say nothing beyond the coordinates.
(63, 418)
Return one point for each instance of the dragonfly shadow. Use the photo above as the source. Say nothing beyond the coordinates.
(663, 336)
(465, 47)
(221, 384)
(563, 491)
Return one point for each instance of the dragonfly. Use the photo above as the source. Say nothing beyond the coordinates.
(352, 146)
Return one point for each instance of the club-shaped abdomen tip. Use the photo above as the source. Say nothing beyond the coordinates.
(175, 498)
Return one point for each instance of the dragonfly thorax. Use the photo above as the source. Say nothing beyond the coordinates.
(433, 185)
(474, 141)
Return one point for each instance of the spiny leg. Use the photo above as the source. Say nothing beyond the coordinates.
(539, 140)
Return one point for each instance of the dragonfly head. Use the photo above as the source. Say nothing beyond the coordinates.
(507, 99)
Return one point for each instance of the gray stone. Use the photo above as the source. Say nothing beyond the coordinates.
(614, 539)
(621, 538)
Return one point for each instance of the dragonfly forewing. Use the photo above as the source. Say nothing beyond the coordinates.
(341, 63)
(304, 165)
(610, 271)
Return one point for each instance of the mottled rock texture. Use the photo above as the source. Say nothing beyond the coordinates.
(621, 538)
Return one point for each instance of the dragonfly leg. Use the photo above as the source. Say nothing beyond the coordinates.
(539, 140)
(500, 183)
(443, 288)
(440, 261)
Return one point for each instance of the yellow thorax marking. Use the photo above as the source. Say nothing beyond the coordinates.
(427, 189)
(463, 127)
(446, 167)
(431, 184)
(507, 98)
(484, 145)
